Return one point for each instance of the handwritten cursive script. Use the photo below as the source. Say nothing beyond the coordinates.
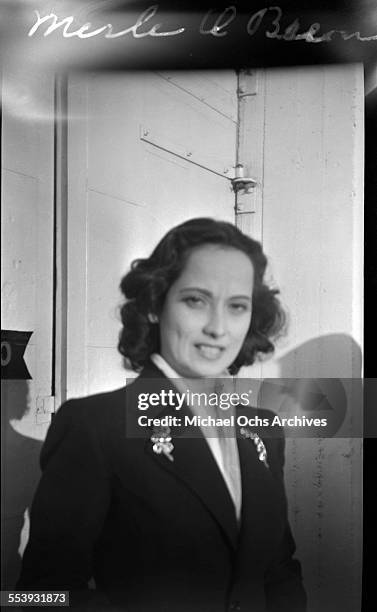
(214, 24)
(85, 31)
(291, 32)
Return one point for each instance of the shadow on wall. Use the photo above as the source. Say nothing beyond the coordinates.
(329, 356)
(20, 475)
(319, 378)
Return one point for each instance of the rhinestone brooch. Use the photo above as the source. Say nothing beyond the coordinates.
(162, 443)
(259, 444)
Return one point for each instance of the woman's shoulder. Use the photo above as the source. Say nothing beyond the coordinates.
(87, 421)
(100, 409)
(92, 406)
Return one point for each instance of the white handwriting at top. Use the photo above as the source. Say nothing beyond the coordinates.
(291, 32)
(219, 27)
(221, 21)
(84, 30)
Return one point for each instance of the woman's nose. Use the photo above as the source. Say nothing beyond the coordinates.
(215, 325)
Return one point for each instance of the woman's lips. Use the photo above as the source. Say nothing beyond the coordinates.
(209, 351)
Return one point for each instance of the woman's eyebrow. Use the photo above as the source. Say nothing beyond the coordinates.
(210, 294)
(241, 297)
(199, 289)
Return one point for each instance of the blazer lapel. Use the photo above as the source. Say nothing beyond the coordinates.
(262, 503)
(195, 466)
(193, 462)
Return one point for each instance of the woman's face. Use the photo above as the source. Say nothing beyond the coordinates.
(207, 312)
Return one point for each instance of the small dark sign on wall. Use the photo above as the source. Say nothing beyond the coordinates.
(13, 345)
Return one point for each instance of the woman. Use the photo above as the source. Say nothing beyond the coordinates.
(162, 517)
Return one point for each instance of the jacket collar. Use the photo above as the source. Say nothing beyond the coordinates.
(193, 462)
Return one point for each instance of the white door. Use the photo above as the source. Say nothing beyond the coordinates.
(146, 151)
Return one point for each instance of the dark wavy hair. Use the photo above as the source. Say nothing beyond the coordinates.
(145, 287)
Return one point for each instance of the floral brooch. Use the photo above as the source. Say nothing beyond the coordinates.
(162, 443)
(259, 444)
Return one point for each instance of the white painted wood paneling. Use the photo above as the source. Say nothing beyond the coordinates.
(125, 192)
(316, 200)
(309, 217)
(206, 86)
(27, 226)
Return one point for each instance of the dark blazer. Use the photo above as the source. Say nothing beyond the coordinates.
(156, 535)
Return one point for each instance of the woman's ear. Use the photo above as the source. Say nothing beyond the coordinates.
(152, 318)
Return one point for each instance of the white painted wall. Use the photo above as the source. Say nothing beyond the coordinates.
(146, 151)
(27, 290)
(307, 127)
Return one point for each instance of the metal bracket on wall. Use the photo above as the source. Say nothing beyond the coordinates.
(245, 203)
(247, 84)
(250, 155)
(241, 182)
(212, 164)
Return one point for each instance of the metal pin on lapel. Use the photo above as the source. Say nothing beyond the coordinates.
(162, 442)
(259, 444)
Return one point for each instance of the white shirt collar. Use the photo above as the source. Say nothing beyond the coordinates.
(163, 365)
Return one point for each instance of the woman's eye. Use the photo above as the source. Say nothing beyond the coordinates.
(239, 308)
(194, 301)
